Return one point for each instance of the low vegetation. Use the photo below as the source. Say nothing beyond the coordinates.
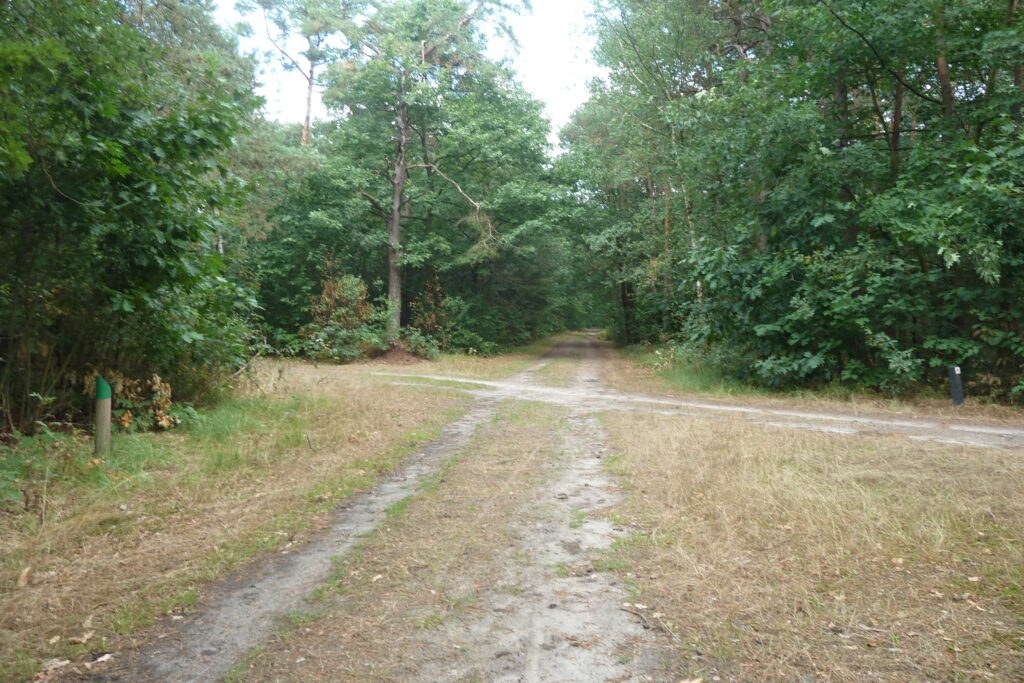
(106, 546)
(383, 615)
(777, 554)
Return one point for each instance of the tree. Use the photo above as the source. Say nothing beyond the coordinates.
(836, 184)
(325, 26)
(412, 59)
(112, 138)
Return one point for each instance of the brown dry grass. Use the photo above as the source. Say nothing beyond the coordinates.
(107, 561)
(427, 564)
(627, 374)
(463, 365)
(560, 372)
(785, 555)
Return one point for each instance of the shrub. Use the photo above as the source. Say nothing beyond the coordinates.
(420, 344)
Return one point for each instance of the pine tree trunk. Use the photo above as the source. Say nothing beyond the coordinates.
(398, 180)
(309, 105)
(942, 66)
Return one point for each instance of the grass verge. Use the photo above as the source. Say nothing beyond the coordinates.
(140, 535)
(654, 370)
(778, 555)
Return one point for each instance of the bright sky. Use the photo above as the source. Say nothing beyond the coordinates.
(553, 62)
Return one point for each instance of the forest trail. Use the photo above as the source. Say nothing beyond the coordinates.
(591, 397)
(489, 568)
(563, 622)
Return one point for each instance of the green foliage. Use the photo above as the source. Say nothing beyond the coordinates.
(419, 344)
(788, 182)
(345, 324)
(483, 259)
(113, 129)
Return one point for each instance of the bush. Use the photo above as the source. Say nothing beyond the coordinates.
(419, 344)
(346, 325)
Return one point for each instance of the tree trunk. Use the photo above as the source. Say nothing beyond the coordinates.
(897, 124)
(628, 314)
(942, 66)
(311, 79)
(841, 99)
(395, 224)
(1018, 72)
(666, 274)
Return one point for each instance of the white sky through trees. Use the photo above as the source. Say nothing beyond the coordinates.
(553, 61)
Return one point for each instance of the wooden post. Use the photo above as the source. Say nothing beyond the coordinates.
(956, 385)
(103, 396)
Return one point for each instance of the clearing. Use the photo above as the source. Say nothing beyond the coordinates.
(536, 518)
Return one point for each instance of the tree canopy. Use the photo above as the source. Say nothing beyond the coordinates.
(801, 191)
(815, 191)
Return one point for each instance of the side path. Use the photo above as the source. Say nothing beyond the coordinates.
(242, 611)
(592, 398)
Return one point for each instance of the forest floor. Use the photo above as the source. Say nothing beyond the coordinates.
(563, 525)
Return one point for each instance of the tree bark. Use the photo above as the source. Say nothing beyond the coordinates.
(942, 66)
(398, 181)
(311, 79)
(666, 272)
(897, 124)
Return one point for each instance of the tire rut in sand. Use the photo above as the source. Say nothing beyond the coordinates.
(565, 621)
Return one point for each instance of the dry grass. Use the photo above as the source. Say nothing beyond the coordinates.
(560, 372)
(430, 562)
(105, 561)
(785, 555)
(627, 374)
(463, 365)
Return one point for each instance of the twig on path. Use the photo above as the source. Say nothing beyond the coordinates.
(647, 624)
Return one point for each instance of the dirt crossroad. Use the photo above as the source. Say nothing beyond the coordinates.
(528, 605)
(556, 627)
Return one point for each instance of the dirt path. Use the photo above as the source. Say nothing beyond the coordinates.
(590, 397)
(242, 611)
(564, 622)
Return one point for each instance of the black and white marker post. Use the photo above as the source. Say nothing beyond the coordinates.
(956, 385)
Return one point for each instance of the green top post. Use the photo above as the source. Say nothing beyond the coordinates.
(102, 389)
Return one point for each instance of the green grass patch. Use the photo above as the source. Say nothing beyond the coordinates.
(618, 557)
(577, 518)
(688, 373)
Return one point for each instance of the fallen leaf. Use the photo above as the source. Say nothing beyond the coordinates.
(99, 660)
(82, 639)
(377, 578)
(54, 640)
(50, 668)
(974, 579)
(24, 577)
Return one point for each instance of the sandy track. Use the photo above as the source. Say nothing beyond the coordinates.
(242, 611)
(589, 397)
(567, 622)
